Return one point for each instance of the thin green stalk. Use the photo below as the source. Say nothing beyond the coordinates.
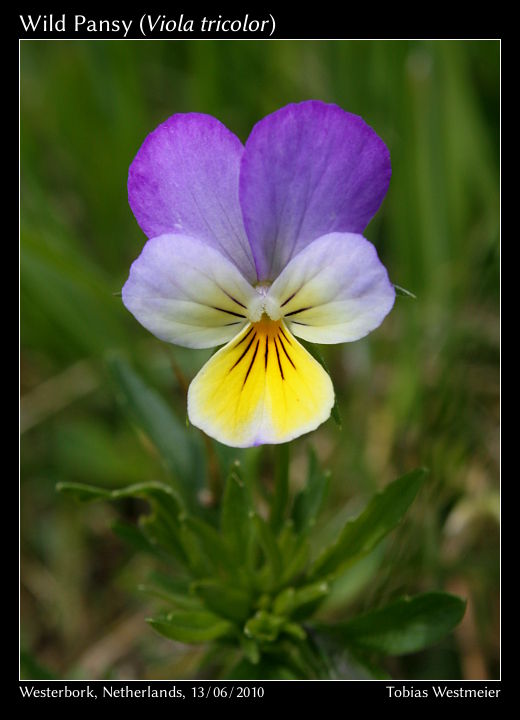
(281, 486)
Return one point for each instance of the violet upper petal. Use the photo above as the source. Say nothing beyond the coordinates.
(184, 180)
(307, 170)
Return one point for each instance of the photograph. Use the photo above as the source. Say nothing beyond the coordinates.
(259, 359)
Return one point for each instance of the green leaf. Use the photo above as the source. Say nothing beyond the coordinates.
(292, 599)
(309, 501)
(153, 491)
(262, 670)
(382, 514)
(267, 540)
(228, 602)
(213, 545)
(250, 649)
(334, 661)
(405, 626)
(281, 486)
(191, 626)
(294, 630)
(297, 563)
(264, 626)
(351, 583)
(161, 527)
(199, 564)
(134, 536)
(154, 417)
(174, 584)
(177, 599)
(163, 531)
(235, 520)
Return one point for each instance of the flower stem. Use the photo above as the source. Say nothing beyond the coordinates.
(281, 486)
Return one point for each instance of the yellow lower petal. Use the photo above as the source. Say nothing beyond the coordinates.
(261, 388)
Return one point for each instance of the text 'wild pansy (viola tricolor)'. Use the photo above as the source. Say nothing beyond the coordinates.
(253, 246)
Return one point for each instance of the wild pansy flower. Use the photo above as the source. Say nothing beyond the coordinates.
(253, 246)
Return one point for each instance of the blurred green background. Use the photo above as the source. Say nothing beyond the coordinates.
(421, 390)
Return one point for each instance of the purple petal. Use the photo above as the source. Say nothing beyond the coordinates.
(184, 180)
(308, 170)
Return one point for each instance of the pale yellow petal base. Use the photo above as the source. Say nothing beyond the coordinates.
(261, 388)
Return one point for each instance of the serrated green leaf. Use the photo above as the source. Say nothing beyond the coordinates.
(228, 602)
(309, 501)
(153, 416)
(191, 626)
(152, 491)
(359, 536)
(405, 626)
(161, 527)
(235, 521)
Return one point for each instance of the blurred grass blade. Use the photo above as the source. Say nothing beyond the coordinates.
(67, 304)
(361, 535)
(191, 626)
(154, 417)
(309, 501)
(405, 626)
